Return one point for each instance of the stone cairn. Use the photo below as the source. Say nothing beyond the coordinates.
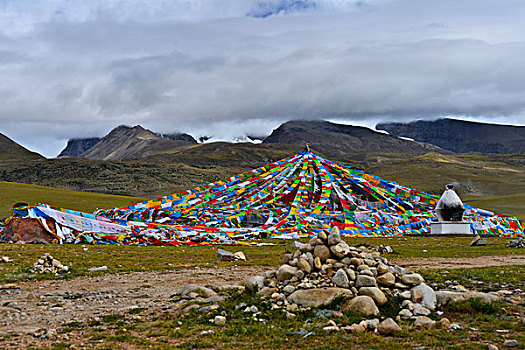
(327, 268)
(47, 264)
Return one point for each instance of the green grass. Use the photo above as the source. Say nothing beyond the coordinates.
(445, 247)
(172, 329)
(508, 205)
(484, 279)
(11, 193)
(177, 330)
(120, 258)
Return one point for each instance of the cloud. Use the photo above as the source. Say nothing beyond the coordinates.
(75, 69)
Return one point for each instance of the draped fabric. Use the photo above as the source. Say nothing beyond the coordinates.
(293, 197)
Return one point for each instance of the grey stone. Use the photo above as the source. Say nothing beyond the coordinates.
(429, 299)
(424, 322)
(288, 289)
(365, 281)
(411, 279)
(304, 266)
(334, 237)
(189, 288)
(386, 279)
(254, 283)
(266, 291)
(388, 327)
(322, 252)
(340, 249)
(224, 255)
(382, 268)
(405, 313)
(351, 274)
(510, 343)
(286, 272)
(420, 310)
(340, 279)
(372, 324)
(445, 297)
(374, 293)
(317, 296)
(361, 304)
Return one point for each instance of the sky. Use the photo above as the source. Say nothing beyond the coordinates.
(229, 68)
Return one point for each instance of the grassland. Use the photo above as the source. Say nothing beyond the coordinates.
(11, 193)
(513, 205)
(172, 328)
(121, 259)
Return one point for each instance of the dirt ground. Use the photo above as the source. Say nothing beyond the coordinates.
(28, 308)
(457, 263)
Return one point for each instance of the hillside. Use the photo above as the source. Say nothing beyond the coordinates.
(126, 142)
(461, 136)
(75, 147)
(339, 141)
(10, 150)
(11, 193)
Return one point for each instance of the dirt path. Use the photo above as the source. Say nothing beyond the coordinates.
(457, 263)
(29, 306)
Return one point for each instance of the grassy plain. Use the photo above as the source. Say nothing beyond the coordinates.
(11, 193)
(174, 329)
(121, 259)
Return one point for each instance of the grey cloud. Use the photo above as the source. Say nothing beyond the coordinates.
(213, 71)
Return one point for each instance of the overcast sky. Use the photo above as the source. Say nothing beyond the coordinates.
(227, 68)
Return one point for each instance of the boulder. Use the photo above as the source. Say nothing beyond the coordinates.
(286, 272)
(444, 297)
(340, 279)
(424, 322)
(340, 250)
(429, 299)
(322, 252)
(224, 255)
(304, 266)
(189, 288)
(317, 296)
(388, 327)
(361, 304)
(365, 281)
(334, 237)
(420, 310)
(386, 279)
(416, 295)
(254, 283)
(412, 279)
(374, 293)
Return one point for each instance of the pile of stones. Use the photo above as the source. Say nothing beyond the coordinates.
(518, 243)
(326, 268)
(47, 264)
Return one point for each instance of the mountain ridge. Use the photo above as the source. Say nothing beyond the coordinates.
(11, 150)
(337, 140)
(461, 136)
(125, 142)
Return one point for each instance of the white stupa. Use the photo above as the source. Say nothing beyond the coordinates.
(449, 212)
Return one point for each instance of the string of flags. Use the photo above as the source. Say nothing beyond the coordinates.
(291, 198)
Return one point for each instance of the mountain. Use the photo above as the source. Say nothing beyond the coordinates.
(339, 141)
(10, 150)
(125, 142)
(462, 136)
(179, 137)
(75, 147)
